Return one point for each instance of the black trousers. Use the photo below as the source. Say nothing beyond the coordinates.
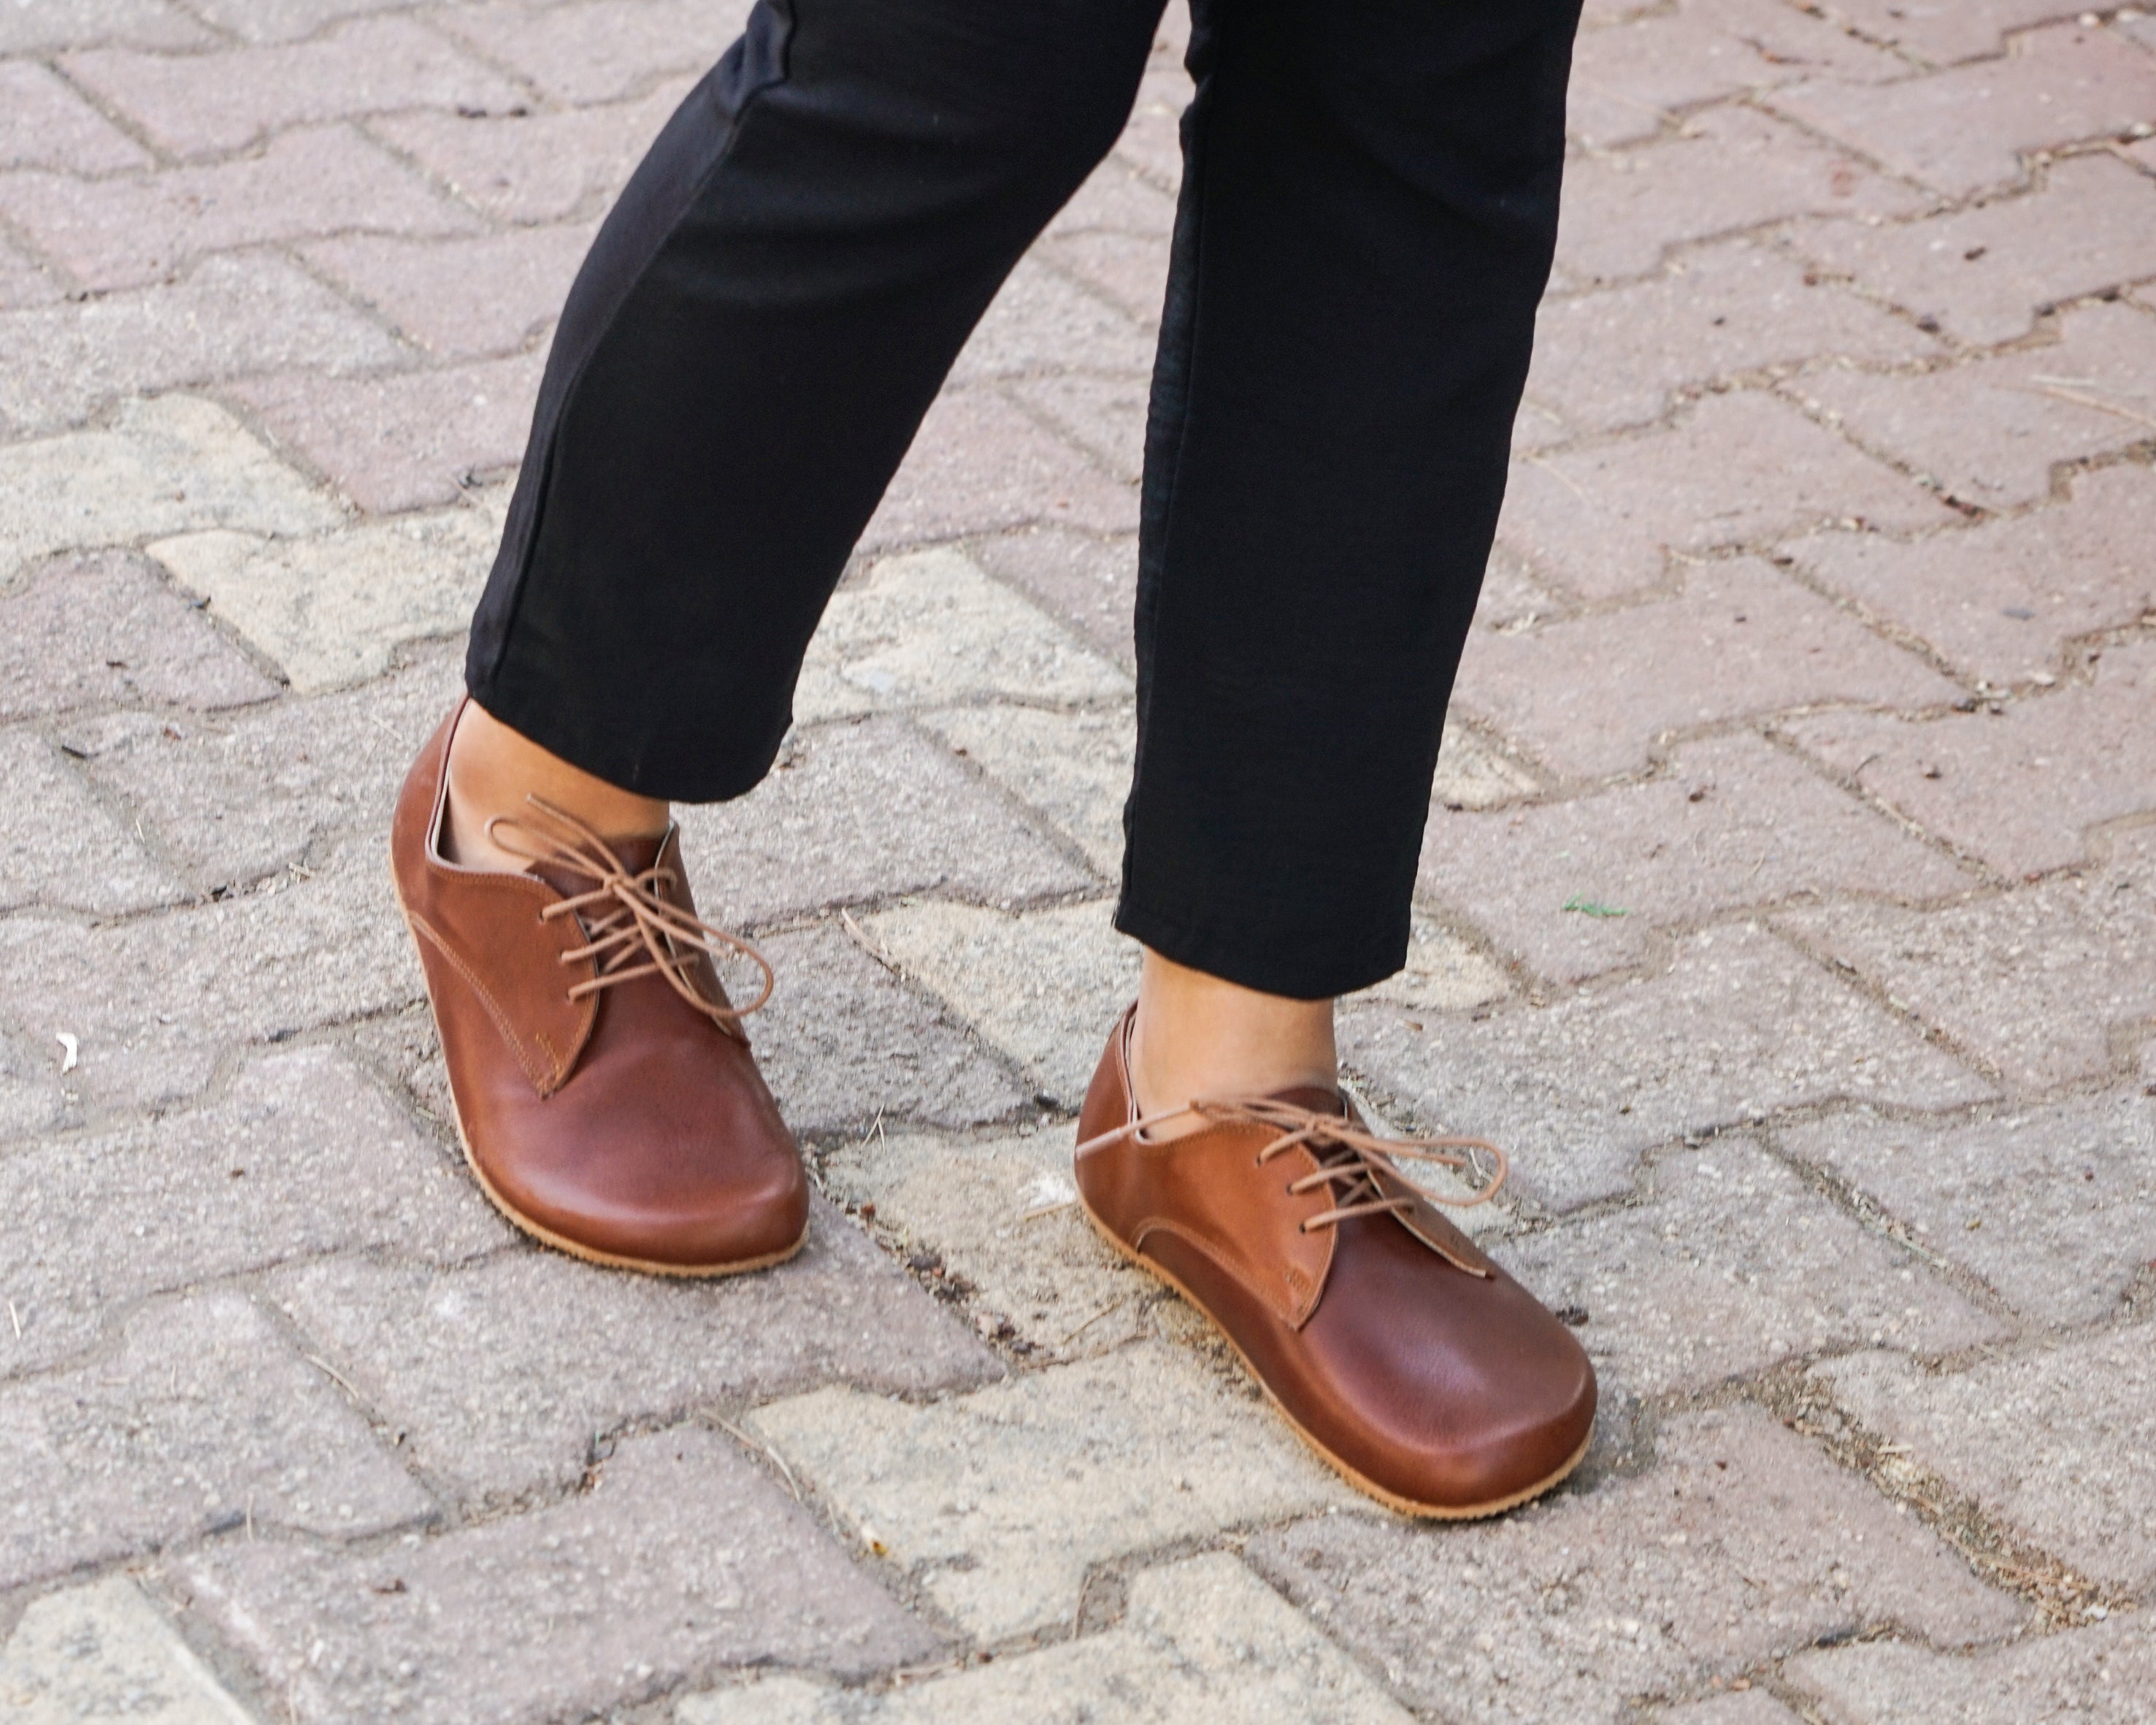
(1368, 208)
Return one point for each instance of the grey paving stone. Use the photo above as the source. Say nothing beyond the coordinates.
(2038, 980)
(104, 1652)
(1737, 1028)
(2058, 1441)
(83, 859)
(1750, 1706)
(2053, 1205)
(230, 314)
(170, 466)
(858, 812)
(998, 1502)
(235, 797)
(284, 20)
(1044, 986)
(202, 1419)
(158, 1002)
(1732, 821)
(683, 1559)
(931, 628)
(1042, 321)
(1739, 1544)
(302, 1155)
(1204, 1642)
(502, 1373)
(1731, 1264)
(1074, 768)
(333, 612)
(2103, 1675)
(101, 628)
(844, 1044)
(1001, 1212)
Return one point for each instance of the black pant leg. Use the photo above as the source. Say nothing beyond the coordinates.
(1368, 212)
(763, 321)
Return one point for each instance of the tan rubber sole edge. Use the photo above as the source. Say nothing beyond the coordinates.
(1369, 1488)
(546, 1236)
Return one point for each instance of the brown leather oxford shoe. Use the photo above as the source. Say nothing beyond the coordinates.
(1402, 1354)
(605, 1094)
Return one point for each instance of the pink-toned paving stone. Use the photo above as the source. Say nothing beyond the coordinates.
(981, 463)
(1593, 696)
(461, 299)
(1944, 31)
(1969, 129)
(285, 20)
(1627, 78)
(2019, 788)
(2051, 984)
(404, 440)
(2054, 1205)
(1576, 888)
(124, 232)
(1725, 169)
(682, 1560)
(1743, 1542)
(1987, 273)
(23, 283)
(1152, 141)
(1990, 432)
(1743, 469)
(1621, 357)
(1131, 269)
(1043, 322)
(229, 313)
(1088, 580)
(1740, 1026)
(44, 124)
(1104, 415)
(598, 50)
(39, 28)
(101, 629)
(2000, 601)
(532, 166)
(208, 103)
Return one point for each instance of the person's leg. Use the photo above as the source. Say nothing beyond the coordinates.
(1368, 211)
(747, 353)
(1369, 208)
(762, 322)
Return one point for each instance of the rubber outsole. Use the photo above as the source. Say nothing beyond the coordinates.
(1368, 1487)
(561, 1242)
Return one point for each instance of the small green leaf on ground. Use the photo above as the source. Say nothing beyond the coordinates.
(1589, 907)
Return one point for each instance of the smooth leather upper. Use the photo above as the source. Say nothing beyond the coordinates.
(627, 1122)
(1444, 1383)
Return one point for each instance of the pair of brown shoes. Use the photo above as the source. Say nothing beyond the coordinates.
(608, 1103)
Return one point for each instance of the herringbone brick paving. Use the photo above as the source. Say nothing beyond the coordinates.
(1789, 907)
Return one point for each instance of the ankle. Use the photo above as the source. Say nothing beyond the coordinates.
(493, 774)
(1198, 1036)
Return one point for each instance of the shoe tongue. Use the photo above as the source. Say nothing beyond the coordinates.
(1316, 1098)
(636, 855)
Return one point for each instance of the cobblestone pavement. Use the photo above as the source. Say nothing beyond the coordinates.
(1788, 907)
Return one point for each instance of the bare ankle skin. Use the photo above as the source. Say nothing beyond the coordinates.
(1198, 1036)
(493, 770)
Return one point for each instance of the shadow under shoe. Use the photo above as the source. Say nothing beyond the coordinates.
(1407, 1360)
(605, 1094)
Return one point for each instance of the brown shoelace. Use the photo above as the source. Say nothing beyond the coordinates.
(638, 922)
(1350, 1156)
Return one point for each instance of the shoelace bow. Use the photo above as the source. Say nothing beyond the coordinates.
(1350, 1158)
(641, 922)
